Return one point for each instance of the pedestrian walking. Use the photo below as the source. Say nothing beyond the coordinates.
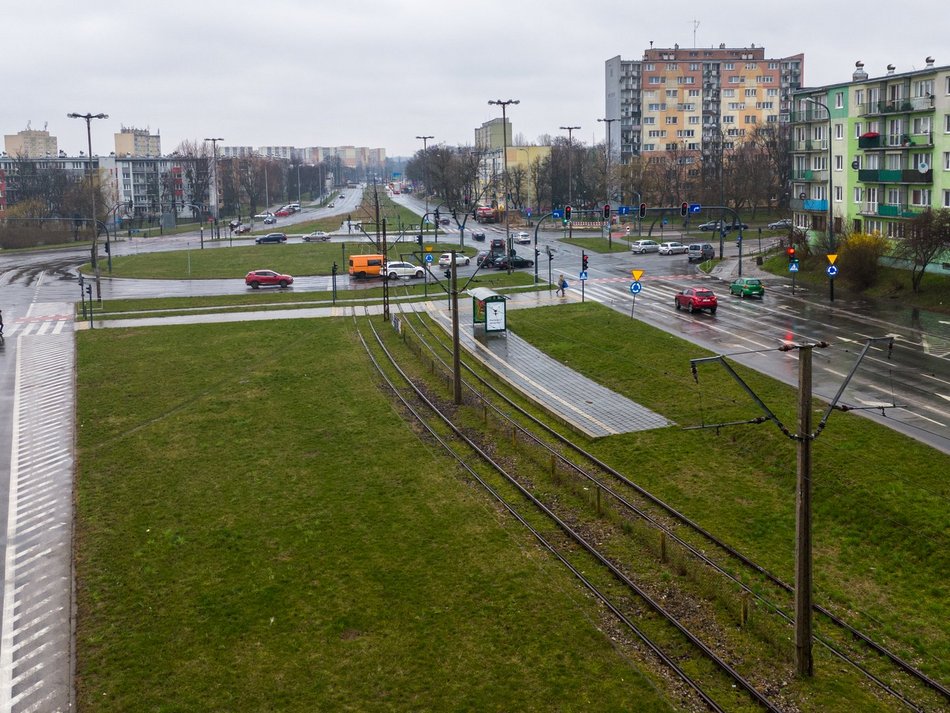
(561, 286)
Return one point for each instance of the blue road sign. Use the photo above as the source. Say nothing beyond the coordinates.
(695, 207)
(623, 210)
(635, 287)
(583, 275)
(429, 257)
(832, 271)
(793, 267)
(557, 213)
(529, 212)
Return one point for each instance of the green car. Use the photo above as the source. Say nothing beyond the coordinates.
(747, 287)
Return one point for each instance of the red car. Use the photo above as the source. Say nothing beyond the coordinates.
(284, 212)
(256, 278)
(693, 299)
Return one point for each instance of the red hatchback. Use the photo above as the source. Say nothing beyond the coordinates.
(256, 278)
(694, 299)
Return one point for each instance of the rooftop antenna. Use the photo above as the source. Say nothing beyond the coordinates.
(695, 25)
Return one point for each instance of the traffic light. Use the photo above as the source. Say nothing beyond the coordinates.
(606, 211)
(335, 268)
(419, 240)
(567, 212)
(437, 216)
(448, 274)
(584, 262)
(643, 210)
(790, 253)
(684, 209)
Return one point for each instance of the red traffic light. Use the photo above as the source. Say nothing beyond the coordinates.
(606, 211)
(790, 252)
(643, 210)
(567, 212)
(684, 209)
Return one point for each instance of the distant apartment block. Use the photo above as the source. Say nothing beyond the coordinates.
(875, 150)
(137, 142)
(690, 101)
(30, 144)
(350, 156)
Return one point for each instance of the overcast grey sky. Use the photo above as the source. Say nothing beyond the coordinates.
(378, 73)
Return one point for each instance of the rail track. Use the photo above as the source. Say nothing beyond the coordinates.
(901, 681)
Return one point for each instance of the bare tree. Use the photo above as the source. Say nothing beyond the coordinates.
(927, 236)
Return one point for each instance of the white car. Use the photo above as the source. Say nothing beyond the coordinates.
(644, 246)
(521, 238)
(394, 270)
(265, 214)
(446, 259)
(672, 249)
(317, 236)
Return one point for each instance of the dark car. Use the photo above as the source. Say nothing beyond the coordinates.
(256, 278)
(479, 236)
(271, 238)
(783, 224)
(270, 220)
(241, 228)
(694, 299)
(515, 261)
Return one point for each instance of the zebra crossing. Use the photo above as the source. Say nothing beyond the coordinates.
(36, 622)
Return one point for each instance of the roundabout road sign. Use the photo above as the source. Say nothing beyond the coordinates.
(429, 257)
(635, 288)
(832, 271)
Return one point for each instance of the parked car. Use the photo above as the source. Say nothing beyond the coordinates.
(265, 214)
(747, 287)
(700, 252)
(257, 278)
(271, 238)
(672, 248)
(317, 236)
(241, 228)
(522, 238)
(516, 261)
(295, 206)
(711, 225)
(644, 246)
(694, 299)
(284, 212)
(445, 259)
(479, 236)
(270, 220)
(394, 270)
(783, 224)
(714, 225)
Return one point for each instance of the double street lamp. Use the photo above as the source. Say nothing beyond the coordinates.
(504, 103)
(425, 169)
(607, 175)
(214, 183)
(94, 187)
(570, 170)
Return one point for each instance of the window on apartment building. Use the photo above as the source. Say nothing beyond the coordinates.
(750, 92)
(858, 97)
(839, 131)
(893, 196)
(839, 194)
(923, 88)
(671, 67)
(892, 162)
(727, 119)
(735, 79)
(693, 92)
(672, 147)
(693, 119)
(922, 161)
(672, 93)
(672, 119)
(656, 107)
(839, 163)
(649, 120)
(858, 194)
(750, 119)
(649, 67)
(921, 125)
(729, 65)
(657, 80)
(765, 79)
(946, 198)
(736, 106)
(656, 133)
(920, 196)
(728, 93)
(857, 129)
(839, 100)
(946, 160)
(694, 67)
(946, 85)
(773, 65)
(648, 147)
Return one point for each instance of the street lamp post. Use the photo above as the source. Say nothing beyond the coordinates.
(214, 183)
(570, 172)
(425, 169)
(607, 177)
(504, 132)
(93, 187)
(831, 220)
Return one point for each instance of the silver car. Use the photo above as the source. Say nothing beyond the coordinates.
(672, 248)
(394, 270)
(644, 246)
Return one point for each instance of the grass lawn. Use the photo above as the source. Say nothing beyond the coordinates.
(258, 529)
(598, 244)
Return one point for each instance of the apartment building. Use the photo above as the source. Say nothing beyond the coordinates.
(30, 144)
(871, 153)
(137, 142)
(693, 102)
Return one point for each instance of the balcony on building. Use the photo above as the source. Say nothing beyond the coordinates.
(810, 145)
(885, 210)
(896, 106)
(810, 175)
(881, 175)
(803, 117)
(809, 204)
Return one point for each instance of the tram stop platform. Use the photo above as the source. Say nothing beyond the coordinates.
(584, 404)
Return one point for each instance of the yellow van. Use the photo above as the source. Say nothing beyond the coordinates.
(366, 265)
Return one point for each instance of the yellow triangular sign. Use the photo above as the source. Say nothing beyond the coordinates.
(636, 275)
(832, 257)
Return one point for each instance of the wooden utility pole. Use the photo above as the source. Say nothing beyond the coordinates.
(803, 554)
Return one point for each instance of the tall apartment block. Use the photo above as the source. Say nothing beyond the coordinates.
(132, 142)
(872, 153)
(693, 101)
